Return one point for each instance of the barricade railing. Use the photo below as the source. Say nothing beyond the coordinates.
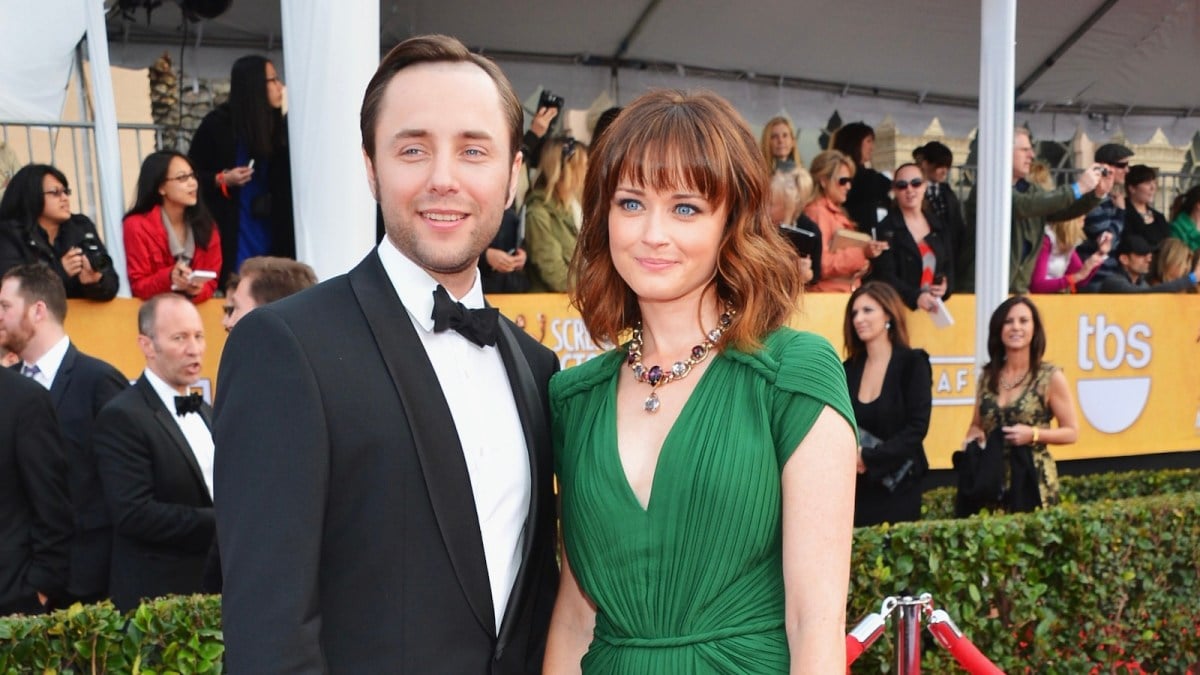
(909, 613)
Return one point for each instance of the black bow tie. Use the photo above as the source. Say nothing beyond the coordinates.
(477, 325)
(188, 404)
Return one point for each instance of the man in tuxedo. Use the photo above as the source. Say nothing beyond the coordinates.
(384, 467)
(33, 306)
(155, 453)
(35, 514)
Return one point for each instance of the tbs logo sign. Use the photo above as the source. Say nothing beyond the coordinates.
(1112, 404)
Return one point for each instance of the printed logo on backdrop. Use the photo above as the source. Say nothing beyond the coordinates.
(1114, 399)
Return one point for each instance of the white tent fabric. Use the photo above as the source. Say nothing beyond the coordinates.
(331, 50)
(37, 63)
(108, 154)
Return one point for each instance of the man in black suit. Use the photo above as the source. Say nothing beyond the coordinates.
(384, 468)
(35, 515)
(33, 304)
(155, 453)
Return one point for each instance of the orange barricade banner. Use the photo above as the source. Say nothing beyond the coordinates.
(1133, 361)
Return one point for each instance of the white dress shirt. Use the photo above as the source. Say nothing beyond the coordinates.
(197, 433)
(476, 387)
(50, 362)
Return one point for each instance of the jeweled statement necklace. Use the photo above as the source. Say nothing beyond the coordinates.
(655, 376)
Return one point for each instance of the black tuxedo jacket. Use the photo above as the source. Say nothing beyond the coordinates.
(82, 386)
(348, 533)
(162, 514)
(35, 515)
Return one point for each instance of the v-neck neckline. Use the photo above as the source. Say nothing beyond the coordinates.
(615, 452)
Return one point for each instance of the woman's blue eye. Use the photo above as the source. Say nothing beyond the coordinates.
(686, 210)
(629, 204)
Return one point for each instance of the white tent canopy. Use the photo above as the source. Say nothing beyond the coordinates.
(1094, 65)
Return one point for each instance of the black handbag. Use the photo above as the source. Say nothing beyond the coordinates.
(980, 469)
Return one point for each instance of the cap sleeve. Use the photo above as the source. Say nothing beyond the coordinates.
(809, 377)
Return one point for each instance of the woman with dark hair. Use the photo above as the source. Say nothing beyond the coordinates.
(240, 153)
(869, 191)
(170, 241)
(891, 388)
(1141, 218)
(919, 261)
(1020, 394)
(706, 505)
(1185, 218)
(36, 225)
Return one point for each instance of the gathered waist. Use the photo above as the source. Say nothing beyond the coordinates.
(714, 635)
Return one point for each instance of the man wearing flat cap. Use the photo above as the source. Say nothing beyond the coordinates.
(1134, 255)
(1109, 216)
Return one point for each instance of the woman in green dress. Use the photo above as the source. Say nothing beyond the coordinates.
(707, 465)
(1021, 394)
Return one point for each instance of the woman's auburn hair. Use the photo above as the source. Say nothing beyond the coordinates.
(668, 140)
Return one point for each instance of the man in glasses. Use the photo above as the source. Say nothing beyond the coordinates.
(1109, 215)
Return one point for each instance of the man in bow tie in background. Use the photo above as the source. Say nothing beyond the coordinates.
(384, 494)
(155, 453)
(33, 306)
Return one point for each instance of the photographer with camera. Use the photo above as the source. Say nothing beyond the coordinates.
(36, 225)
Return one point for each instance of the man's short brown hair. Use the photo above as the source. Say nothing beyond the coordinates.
(435, 49)
(273, 278)
(40, 283)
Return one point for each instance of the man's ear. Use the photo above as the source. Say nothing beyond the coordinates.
(514, 178)
(372, 181)
(146, 345)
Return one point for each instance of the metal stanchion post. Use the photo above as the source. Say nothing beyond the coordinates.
(908, 637)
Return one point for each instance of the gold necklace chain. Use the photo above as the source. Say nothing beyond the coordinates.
(656, 376)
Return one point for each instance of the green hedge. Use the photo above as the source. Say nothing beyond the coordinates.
(170, 635)
(1063, 590)
(938, 503)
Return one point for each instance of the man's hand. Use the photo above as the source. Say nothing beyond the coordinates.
(542, 119)
(1089, 178)
(875, 248)
(504, 262)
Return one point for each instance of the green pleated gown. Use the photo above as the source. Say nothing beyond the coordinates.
(694, 582)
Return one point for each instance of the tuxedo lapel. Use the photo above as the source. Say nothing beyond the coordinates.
(432, 427)
(537, 440)
(168, 424)
(63, 377)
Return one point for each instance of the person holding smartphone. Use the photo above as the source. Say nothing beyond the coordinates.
(171, 242)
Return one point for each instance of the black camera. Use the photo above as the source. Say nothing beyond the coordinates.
(549, 100)
(1104, 171)
(97, 257)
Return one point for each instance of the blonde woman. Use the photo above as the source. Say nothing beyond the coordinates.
(779, 145)
(842, 270)
(1173, 260)
(1058, 268)
(552, 213)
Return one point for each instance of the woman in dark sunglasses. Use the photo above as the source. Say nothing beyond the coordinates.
(171, 242)
(919, 261)
(846, 260)
(36, 225)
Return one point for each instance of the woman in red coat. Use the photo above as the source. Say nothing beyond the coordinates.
(170, 241)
